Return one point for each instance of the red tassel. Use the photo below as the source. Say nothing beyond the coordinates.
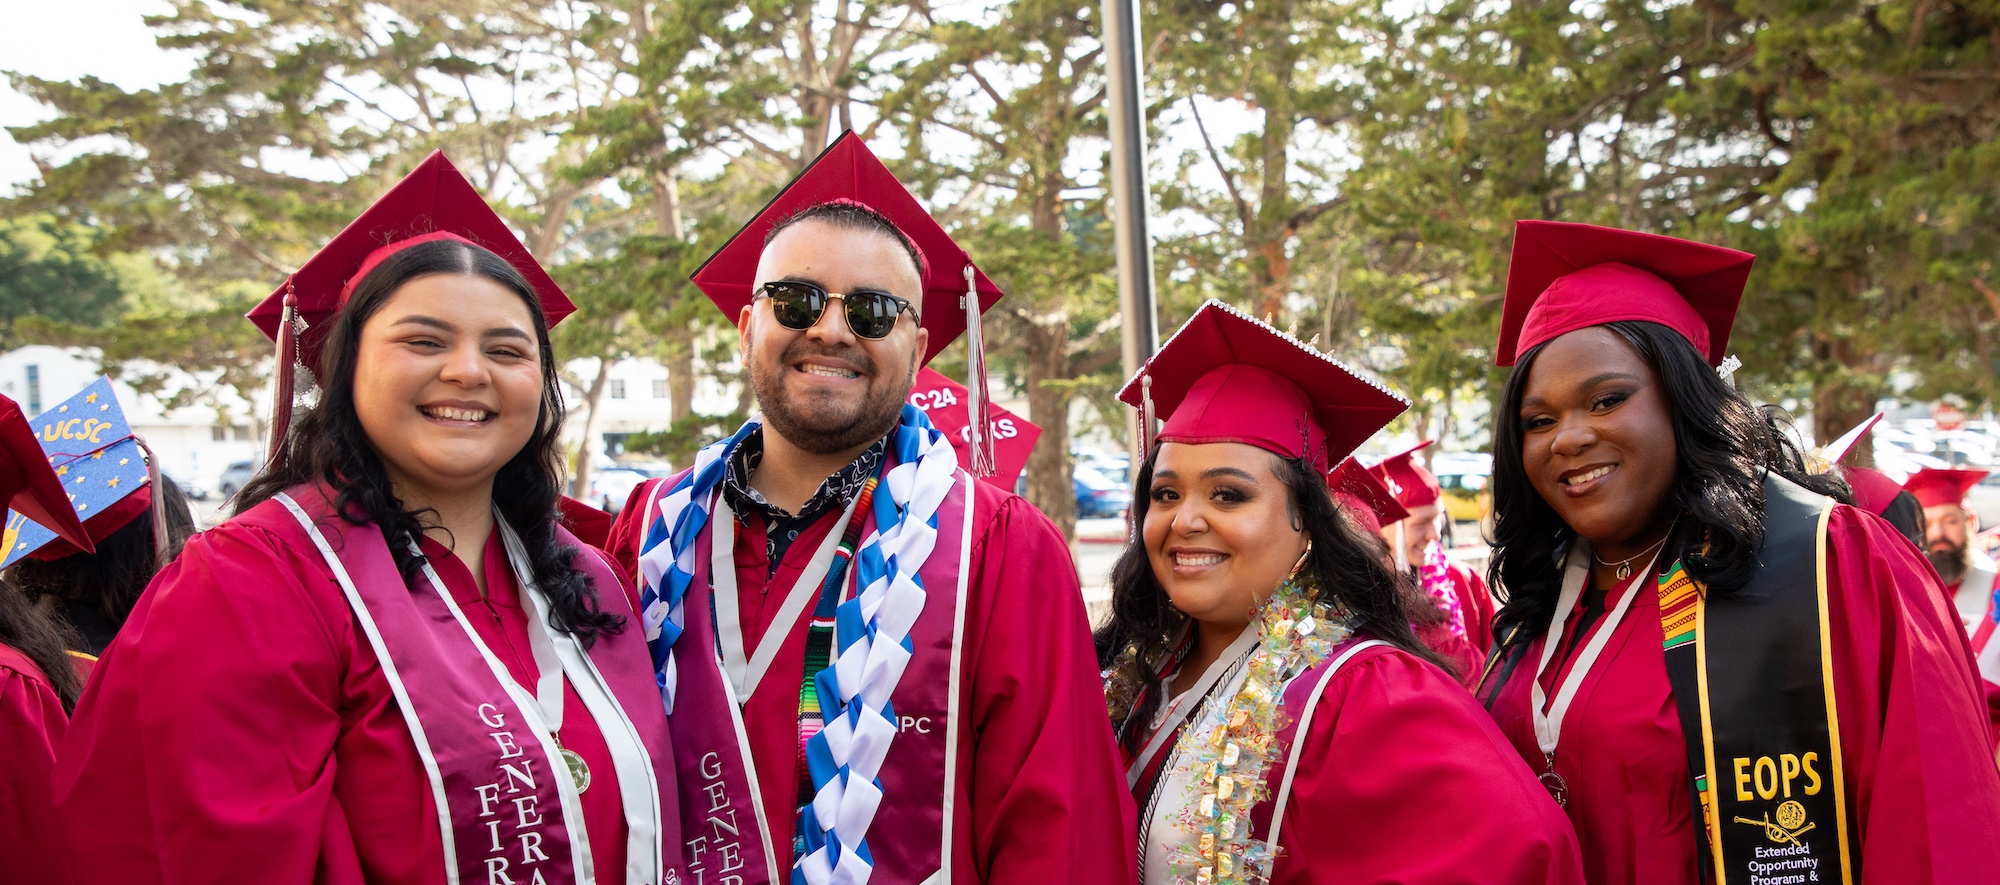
(288, 357)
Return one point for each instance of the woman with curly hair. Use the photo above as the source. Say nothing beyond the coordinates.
(392, 665)
(1722, 671)
(1261, 667)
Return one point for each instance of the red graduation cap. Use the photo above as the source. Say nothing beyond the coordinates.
(946, 403)
(433, 202)
(1412, 485)
(1565, 277)
(1828, 456)
(1225, 377)
(848, 171)
(1371, 502)
(29, 486)
(1936, 487)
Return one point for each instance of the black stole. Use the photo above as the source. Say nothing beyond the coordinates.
(1753, 680)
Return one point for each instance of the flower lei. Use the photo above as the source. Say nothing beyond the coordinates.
(1435, 574)
(1232, 760)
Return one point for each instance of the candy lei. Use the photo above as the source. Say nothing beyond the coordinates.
(1232, 760)
(872, 635)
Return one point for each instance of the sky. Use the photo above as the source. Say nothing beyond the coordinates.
(107, 39)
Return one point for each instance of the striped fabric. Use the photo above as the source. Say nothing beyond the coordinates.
(1679, 598)
(819, 643)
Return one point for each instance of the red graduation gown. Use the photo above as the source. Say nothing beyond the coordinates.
(1404, 779)
(1922, 789)
(1477, 603)
(240, 729)
(32, 722)
(1041, 794)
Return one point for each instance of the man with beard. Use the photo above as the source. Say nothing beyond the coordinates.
(1967, 572)
(875, 667)
(1949, 527)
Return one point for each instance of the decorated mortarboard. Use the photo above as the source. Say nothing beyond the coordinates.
(1935, 486)
(1564, 277)
(29, 487)
(1412, 484)
(945, 402)
(848, 172)
(433, 202)
(1372, 502)
(101, 465)
(1226, 377)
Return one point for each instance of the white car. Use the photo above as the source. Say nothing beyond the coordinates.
(610, 486)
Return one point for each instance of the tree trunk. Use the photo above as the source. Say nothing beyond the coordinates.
(1046, 340)
(1838, 405)
(579, 487)
(680, 377)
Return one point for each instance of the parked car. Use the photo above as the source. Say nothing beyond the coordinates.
(235, 477)
(611, 486)
(1098, 496)
(1464, 480)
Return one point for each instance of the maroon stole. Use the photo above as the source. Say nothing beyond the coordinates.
(493, 774)
(1300, 701)
(731, 839)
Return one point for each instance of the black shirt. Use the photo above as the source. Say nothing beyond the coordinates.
(784, 528)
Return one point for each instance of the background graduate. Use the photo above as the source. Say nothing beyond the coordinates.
(1280, 718)
(1722, 671)
(391, 666)
(38, 684)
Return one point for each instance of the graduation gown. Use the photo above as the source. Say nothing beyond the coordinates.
(1404, 779)
(32, 723)
(1923, 793)
(1477, 603)
(1036, 793)
(240, 728)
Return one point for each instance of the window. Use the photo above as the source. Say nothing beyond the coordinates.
(34, 389)
(218, 433)
(659, 388)
(617, 388)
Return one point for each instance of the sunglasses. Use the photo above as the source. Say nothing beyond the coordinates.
(799, 305)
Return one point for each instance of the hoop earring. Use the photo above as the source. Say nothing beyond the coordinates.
(1302, 560)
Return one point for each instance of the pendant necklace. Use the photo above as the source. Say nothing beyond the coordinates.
(1548, 717)
(1625, 565)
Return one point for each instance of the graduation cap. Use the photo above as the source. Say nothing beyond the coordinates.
(1935, 487)
(1225, 377)
(946, 401)
(29, 487)
(1828, 456)
(1371, 502)
(434, 202)
(1563, 277)
(1410, 482)
(104, 471)
(848, 172)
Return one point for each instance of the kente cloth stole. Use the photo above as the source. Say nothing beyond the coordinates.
(819, 650)
(1753, 682)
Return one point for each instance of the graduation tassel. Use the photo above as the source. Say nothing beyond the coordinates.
(288, 357)
(1727, 371)
(979, 415)
(157, 508)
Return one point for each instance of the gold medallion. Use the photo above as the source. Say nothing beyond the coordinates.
(579, 771)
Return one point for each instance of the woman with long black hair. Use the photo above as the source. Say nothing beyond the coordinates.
(1261, 667)
(1722, 672)
(392, 665)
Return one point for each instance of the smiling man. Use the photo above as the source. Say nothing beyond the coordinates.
(873, 664)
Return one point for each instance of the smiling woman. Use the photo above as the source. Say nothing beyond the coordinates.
(338, 684)
(1720, 655)
(1260, 661)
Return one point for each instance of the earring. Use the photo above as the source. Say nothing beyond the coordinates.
(1302, 559)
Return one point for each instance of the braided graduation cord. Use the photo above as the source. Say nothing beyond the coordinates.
(667, 557)
(872, 633)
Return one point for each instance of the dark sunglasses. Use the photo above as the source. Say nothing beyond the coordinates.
(799, 305)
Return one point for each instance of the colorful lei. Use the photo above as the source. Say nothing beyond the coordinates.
(1232, 760)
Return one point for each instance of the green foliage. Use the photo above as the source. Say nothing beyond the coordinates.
(49, 269)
